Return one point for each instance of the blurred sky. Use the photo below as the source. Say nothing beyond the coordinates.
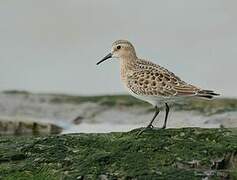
(53, 46)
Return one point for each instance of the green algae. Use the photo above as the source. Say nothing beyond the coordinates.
(42, 174)
(189, 153)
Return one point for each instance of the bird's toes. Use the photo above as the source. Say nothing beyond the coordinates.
(141, 131)
(150, 126)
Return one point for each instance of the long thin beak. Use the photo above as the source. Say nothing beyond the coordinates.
(105, 58)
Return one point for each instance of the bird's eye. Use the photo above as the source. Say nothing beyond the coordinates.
(118, 47)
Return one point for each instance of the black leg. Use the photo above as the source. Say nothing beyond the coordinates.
(167, 110)
(154, 117)
(150, 124)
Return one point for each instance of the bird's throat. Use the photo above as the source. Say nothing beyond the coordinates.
(127, 67)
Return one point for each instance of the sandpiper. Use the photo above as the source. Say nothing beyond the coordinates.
(150, 82)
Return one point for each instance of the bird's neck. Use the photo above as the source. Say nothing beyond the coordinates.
(127, 66)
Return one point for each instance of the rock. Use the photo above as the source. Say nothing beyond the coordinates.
(189, 153)
(8, 127)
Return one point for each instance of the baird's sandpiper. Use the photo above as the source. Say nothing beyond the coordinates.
(150, 82)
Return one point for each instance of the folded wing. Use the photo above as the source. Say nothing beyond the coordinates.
(158, 81)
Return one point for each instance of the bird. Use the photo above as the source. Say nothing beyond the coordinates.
(151, 82)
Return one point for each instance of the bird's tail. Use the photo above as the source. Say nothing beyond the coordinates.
(209, 94)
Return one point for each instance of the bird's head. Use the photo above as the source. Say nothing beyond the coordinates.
(121, 49)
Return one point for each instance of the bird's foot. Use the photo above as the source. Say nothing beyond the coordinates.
(150, 126)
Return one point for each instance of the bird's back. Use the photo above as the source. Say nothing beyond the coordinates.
(145, 79)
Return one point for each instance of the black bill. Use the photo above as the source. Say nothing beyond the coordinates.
(105, 58)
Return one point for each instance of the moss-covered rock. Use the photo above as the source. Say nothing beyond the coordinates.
(189, 153)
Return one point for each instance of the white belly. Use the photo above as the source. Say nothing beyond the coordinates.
(155, 100)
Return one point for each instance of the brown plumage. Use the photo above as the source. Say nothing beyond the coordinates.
(151, 79)
(151, 82)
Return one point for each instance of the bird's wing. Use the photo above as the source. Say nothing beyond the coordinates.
(155, 80)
